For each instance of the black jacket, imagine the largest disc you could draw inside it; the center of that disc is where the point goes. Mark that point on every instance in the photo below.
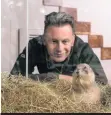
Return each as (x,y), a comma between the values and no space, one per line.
(37,56)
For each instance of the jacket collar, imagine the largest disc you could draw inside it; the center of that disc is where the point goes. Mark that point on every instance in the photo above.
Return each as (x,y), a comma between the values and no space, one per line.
(77,43)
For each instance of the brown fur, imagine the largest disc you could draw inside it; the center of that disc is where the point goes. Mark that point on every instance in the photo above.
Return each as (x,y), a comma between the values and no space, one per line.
(84,84)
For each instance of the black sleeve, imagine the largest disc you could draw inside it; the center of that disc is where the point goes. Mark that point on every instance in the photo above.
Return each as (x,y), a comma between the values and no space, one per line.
(44,76)
(20,64)
(89,57)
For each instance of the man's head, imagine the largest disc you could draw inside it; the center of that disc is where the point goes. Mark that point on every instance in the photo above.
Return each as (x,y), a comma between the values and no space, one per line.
(59,35)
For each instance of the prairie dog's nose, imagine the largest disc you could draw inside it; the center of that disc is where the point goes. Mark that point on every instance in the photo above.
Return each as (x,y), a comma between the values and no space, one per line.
(77,72)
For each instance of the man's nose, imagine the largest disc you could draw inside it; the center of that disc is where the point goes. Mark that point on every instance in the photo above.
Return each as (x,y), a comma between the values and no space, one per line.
(60,46)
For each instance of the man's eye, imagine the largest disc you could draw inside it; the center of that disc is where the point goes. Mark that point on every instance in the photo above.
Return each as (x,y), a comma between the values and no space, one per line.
(54,41)
(65,41)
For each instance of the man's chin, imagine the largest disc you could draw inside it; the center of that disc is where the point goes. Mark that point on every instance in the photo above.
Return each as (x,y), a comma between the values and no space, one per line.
(59,59)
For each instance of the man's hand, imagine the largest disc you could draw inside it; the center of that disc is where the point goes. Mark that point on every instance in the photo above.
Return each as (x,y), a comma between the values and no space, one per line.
(65,77)
(44,76)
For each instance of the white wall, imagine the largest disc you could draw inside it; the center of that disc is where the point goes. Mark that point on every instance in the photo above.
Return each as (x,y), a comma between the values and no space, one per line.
(14,17)
(37,12)
(98,12)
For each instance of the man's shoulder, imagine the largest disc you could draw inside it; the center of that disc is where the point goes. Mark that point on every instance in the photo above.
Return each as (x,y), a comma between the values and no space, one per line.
(37,40)
(80,44)
(36,46)
(80,41)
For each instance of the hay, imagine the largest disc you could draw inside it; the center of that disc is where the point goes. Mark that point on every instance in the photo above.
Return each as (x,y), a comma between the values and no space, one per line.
(19,94)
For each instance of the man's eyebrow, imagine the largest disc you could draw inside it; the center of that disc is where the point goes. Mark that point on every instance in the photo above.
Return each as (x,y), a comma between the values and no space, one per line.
(58,39)
(54,39)
(66,39)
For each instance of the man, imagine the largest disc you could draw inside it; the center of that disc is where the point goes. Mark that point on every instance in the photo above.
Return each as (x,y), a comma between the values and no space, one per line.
(57,52)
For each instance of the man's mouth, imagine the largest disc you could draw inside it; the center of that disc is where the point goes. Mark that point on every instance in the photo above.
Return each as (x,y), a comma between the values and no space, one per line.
(59,54)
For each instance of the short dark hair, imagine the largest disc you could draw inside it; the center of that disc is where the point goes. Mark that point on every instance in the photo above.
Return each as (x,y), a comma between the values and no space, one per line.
(58,19)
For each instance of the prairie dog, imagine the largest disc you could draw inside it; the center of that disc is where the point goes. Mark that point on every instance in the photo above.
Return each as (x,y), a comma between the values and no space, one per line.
(84,83)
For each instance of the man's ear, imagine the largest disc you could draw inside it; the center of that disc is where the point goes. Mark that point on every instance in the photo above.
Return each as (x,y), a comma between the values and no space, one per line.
(44,42)
(43,39)
(73,40)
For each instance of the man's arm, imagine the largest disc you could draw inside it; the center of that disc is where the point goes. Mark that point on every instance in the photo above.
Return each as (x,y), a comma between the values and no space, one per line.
(89,57)
(50,76)
(20,67)
(38,77)
(20,64)
(66,77)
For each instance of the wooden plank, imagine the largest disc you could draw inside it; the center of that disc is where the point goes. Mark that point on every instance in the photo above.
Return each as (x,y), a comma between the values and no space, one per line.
(71,11)
(106,53)
(95,41)
(52,2)
(82,27)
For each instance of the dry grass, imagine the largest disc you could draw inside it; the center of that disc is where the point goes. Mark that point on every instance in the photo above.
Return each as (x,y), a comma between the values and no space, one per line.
(19,94)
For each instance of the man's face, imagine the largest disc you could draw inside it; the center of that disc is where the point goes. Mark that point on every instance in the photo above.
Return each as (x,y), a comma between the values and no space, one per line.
(59,41)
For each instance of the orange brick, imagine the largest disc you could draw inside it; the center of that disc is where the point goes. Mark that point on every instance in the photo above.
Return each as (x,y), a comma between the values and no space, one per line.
(71,11)
(82,27)
(106,53)
(52,2)
(95,41)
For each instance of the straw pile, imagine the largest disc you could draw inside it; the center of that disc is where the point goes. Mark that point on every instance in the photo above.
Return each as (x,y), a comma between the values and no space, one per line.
(19,94)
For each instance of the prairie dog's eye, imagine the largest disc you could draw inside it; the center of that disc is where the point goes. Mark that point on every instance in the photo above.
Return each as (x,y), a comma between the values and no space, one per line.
(85,70)
(85,67)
